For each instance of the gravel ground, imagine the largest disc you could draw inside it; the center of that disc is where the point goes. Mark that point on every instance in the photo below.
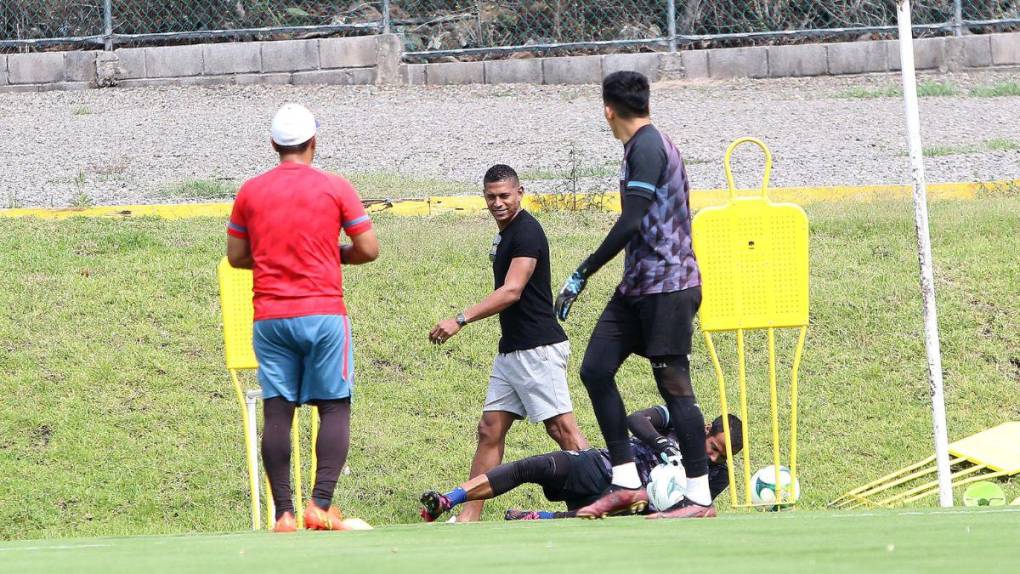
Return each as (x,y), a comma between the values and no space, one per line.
(119,146)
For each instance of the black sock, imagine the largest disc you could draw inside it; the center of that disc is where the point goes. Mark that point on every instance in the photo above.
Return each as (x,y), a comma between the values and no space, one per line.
(598,373)
(672,376)
(331,448)
(689,422)
(279,415)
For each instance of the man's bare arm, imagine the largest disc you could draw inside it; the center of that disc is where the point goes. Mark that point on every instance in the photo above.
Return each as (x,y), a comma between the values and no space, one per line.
(517,277)
(364,248)
(239,253)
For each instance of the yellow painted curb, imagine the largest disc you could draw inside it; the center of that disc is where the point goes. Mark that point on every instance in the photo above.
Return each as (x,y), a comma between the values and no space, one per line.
(609,201)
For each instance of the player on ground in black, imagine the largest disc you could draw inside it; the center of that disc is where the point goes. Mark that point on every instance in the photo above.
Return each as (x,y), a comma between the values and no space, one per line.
(578,478)
(652,311)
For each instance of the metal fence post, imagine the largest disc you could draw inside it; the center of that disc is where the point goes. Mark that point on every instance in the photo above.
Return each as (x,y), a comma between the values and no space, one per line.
(478,20)
(108,24)
(671,24)
(931,323)
(958,18)
(386,16)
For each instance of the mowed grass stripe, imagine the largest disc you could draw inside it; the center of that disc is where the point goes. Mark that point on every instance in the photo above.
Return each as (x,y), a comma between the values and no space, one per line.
(790,542)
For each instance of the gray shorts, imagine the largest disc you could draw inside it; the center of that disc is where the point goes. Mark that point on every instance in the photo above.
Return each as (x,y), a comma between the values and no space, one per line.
(531,383)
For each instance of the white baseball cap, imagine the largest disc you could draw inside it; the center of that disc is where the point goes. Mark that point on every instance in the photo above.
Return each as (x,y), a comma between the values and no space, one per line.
(293,124)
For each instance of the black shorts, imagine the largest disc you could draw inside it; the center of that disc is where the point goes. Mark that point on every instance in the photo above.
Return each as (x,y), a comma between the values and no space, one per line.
(588,477)
(659,325)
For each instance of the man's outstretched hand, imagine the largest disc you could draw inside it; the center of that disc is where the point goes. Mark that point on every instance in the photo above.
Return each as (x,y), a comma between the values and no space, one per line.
(443,331)
(571,289)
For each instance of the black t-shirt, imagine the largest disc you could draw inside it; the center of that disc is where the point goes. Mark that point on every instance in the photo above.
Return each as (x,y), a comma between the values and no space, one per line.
(530,322)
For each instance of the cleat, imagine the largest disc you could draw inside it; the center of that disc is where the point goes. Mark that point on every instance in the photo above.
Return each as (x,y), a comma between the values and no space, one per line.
(686,509)
(319,519)
(617,501)
(433,505)
(285,523)
(515,514)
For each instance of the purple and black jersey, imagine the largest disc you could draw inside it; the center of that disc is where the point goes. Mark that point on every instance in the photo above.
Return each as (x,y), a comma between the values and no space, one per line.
(660,258)
(645,458)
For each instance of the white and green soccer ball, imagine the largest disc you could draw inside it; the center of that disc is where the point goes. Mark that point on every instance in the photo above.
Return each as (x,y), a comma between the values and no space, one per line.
(666,486)
(984,493)
(764,486)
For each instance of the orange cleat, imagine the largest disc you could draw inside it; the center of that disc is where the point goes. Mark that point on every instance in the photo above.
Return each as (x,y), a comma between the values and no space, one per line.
(617,501)
(686,509)
(285,523)
(319,519)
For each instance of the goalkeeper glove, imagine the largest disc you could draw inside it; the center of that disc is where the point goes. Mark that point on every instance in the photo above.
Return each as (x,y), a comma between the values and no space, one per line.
(669,452)
(571,289)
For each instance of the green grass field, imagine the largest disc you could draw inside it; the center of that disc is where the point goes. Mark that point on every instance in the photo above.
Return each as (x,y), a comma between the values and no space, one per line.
(119,419)
(931,542)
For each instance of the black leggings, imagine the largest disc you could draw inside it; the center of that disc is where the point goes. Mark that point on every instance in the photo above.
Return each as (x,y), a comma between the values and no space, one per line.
(548,470)
(331,448)
(672,377)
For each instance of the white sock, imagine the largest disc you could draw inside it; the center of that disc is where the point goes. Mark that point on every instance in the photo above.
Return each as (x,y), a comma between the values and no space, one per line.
(698,491)
(626,475)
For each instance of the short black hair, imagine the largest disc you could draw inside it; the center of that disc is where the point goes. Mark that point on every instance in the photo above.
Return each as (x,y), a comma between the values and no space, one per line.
(292,149)
(736,431)
(501,172)
(627,93)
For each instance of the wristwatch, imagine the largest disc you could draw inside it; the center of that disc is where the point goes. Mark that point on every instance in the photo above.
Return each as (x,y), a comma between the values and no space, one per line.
(461,320)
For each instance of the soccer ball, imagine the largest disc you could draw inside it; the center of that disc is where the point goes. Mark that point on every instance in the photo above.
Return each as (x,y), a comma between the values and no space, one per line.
(984,493)
(666,486)
(763,488)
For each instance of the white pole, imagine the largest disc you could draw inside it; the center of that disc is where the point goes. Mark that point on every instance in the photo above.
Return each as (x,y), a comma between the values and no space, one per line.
(253,458)
(931,326)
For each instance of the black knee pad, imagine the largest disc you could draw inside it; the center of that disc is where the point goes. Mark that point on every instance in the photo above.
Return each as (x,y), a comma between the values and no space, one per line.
(687,403)
(673,376)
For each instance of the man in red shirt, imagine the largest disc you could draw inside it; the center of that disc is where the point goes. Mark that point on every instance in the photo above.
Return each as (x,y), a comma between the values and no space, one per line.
(285,227)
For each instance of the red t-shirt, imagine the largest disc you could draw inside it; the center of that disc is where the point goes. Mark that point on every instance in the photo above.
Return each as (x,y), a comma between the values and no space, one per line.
(292,215)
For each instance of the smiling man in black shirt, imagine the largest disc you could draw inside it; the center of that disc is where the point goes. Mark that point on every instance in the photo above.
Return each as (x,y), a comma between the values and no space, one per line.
(529,375)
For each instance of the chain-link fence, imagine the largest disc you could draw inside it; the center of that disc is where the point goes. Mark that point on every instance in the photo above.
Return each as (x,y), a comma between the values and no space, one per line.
(40,23)
(434,28)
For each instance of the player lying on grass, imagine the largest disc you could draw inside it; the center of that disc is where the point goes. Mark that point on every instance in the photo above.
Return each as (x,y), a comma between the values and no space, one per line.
(578,478)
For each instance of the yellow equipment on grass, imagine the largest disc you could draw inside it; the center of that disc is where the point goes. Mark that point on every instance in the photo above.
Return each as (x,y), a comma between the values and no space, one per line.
(989,454)
(238,312)
(753,256)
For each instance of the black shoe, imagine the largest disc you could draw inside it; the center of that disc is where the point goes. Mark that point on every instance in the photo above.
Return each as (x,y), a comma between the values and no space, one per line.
(434,505)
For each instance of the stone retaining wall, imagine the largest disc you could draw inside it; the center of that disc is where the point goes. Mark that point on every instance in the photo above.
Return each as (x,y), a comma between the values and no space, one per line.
(359,60)
(945,54)
(377,60)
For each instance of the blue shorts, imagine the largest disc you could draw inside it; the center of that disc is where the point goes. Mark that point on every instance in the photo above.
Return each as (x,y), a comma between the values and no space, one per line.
(305,359)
